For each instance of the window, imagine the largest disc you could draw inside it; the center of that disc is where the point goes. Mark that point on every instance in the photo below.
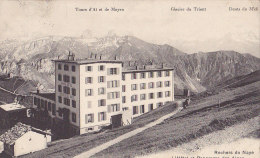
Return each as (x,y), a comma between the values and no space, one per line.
(88,68)
(115,107)
(113,95)
(123,99)
(89,118)
(112,84)
(66,67)
(150,107)
(150,74)
(159,104)
(73,117)
(53,109)
(60,112)
(59,88)
(35,101)
(49,106)
(159,84)
(134,76)
(159,95)
(134,87)
(123,77)
(125,108)
(167,83)
(167,73)
(101,90)
(142,86)
(66,101)
(151,85)
(141,109)
(59,77)
(159,74)
(101,116)
(66,90)
(123,88)
(73,103)
(101,79)
(142,96)
(151,96)
(134,98)
(102,102)
(101,68)
(73,68)
(73,91)
(112,71)
(143,75)
(66,78)
(73,79)
(135,110)
(59,66)
(60,99)
(88,92)
(167,93)
(88,80)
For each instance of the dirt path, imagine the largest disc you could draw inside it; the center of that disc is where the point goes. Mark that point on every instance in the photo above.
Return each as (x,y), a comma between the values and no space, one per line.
(106,145)
(230,139)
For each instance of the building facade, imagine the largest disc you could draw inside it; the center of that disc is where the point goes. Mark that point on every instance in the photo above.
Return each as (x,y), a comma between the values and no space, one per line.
(92,93)
(147,89)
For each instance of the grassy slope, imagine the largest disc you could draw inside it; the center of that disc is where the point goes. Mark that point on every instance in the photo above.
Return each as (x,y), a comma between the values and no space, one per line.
(199,119)
(78,144)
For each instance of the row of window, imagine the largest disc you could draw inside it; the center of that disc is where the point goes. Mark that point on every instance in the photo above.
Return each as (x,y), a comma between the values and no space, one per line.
(150,74)
(141,109)
(89,118)
(45,105)
(150,85)
(66,78)
(66,90)
(143,96)
(67,101)
(67,68)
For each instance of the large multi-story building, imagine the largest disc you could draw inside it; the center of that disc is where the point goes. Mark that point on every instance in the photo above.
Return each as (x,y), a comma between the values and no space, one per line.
(93,93)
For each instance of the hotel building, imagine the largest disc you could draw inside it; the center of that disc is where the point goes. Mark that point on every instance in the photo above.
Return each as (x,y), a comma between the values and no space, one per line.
(93,93)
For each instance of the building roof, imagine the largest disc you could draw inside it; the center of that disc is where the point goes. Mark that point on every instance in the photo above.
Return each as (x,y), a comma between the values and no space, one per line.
(15,133)
(47,95)
(87,61)
(146,69)
(12,107)
(18,131)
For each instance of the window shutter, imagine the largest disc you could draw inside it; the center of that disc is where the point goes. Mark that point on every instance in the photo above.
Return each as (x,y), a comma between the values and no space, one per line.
(105,116)
(86,118)
(109,108)
(99,116)
(108,71)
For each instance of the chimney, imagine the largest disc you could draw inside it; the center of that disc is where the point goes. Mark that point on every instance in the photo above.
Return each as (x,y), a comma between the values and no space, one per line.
(95,56)
(144,67)
(100,57)
(115,57)
(38,91)
(136,67)
(162,65)
(91,55)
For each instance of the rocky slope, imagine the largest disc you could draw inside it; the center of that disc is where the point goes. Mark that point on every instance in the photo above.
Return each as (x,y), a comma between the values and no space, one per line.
(32,59)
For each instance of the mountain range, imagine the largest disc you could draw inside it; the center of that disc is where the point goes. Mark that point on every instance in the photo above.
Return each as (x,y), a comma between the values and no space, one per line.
(31,59)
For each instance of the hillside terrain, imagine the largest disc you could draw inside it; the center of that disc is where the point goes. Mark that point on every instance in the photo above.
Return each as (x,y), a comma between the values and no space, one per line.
(31,59)
(206,114)
(210,114)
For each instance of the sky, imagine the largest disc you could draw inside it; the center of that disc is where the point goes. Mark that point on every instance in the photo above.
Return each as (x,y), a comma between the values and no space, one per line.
(152,21)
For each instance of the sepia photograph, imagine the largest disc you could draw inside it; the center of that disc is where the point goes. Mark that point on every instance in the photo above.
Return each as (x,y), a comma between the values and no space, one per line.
(129,79)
